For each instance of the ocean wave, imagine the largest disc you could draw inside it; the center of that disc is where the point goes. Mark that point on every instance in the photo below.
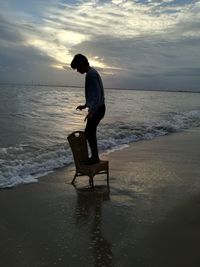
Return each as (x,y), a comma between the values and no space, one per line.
(122,133)
(24,164)
(29,166)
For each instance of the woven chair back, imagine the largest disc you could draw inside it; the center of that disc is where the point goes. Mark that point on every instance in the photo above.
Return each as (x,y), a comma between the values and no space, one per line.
(78,144)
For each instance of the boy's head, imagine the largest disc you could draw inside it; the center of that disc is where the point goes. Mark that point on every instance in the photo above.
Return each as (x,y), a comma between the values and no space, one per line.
(80,62)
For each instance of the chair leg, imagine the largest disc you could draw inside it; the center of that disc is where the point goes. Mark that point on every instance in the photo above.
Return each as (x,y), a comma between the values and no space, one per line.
(108,176)
(108,185)
(74,178)
(91,181)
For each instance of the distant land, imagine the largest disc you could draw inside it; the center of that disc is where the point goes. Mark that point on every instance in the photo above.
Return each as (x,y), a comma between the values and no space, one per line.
(109,88)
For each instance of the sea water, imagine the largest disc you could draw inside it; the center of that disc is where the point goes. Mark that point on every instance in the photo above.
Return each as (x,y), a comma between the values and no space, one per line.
(36,120)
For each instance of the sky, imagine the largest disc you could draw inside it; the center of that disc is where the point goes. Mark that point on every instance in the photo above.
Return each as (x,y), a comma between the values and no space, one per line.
(139,44)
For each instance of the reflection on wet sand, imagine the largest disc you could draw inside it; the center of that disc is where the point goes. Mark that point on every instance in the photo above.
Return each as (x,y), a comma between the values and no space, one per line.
(89,211)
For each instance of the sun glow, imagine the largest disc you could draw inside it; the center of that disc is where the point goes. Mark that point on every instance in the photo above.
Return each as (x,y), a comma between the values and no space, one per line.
(55,43)
(57,52)
(97,63)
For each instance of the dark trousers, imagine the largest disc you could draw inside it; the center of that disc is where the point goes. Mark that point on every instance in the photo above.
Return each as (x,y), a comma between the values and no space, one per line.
(91,130)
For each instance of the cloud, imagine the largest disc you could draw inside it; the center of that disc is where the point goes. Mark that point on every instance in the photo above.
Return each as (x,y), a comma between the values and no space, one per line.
(8,32)
(185,71)
(125,20)
(128,40)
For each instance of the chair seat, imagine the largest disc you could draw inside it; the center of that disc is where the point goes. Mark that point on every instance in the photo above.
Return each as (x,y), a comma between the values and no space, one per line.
(93,169)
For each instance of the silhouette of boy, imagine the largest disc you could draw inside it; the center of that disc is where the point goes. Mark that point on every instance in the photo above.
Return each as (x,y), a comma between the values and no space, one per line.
(95,102)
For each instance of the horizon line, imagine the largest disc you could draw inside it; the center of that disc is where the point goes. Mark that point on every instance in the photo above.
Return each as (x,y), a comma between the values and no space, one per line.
(109,88)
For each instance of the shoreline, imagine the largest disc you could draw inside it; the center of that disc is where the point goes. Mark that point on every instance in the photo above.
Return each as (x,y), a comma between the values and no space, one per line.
(35,178)
(150,217)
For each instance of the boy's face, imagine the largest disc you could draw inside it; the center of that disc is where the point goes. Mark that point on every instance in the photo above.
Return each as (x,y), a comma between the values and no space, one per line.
(81,68)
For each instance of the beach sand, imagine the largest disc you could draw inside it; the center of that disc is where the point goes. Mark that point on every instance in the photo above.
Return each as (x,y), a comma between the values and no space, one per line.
(150,217)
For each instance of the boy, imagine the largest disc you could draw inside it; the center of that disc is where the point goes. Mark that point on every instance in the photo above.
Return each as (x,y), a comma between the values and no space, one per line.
(95,102)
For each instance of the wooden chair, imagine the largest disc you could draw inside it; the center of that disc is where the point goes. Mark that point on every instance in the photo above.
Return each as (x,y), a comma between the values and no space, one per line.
(78,144)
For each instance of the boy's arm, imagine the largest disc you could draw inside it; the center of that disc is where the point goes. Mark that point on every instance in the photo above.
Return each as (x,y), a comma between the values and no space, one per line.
(94,93)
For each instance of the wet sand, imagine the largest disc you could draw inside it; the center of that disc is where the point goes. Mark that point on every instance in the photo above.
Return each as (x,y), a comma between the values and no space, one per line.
(150,216)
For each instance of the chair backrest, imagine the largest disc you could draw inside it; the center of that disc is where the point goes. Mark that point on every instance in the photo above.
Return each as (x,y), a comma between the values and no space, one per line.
(78,144)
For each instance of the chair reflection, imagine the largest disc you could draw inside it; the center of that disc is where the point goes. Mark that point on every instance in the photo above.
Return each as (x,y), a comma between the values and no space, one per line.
(89,211)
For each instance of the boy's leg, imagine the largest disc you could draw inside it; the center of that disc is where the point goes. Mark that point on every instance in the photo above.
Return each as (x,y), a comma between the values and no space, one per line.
(90,131)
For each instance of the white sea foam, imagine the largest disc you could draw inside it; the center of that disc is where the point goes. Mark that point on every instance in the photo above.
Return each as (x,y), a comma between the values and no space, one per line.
(17,171)
(21,165)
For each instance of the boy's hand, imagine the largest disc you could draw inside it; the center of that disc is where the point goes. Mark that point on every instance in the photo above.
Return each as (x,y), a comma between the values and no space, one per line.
(89,115)
(80,107)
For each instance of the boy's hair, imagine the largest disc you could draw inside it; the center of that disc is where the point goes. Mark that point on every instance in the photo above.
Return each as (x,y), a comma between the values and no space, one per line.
(79,59)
